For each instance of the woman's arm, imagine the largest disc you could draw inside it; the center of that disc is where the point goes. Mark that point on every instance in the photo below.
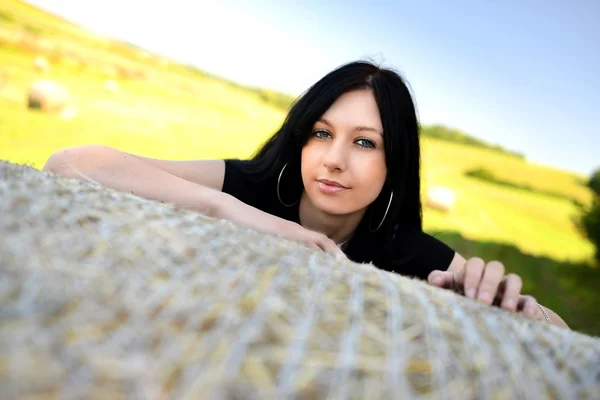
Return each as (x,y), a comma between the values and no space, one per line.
(129,173)
(474,278)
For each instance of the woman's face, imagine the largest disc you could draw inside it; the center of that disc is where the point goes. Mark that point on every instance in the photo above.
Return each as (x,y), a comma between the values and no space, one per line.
(343,162)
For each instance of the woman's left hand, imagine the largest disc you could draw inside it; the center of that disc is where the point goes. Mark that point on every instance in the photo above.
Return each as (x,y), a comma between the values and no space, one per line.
(488,284)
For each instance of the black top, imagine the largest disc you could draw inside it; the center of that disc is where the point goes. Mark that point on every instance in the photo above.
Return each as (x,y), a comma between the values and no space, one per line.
(415,252)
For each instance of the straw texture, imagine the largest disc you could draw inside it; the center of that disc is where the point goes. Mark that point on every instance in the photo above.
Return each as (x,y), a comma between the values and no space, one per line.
(105,295)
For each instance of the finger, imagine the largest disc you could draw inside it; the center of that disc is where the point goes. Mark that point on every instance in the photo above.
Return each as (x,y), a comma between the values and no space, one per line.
(511,288)
(493,274)
(528,305)
(334,249)
(329,246)
(341,256)
(443,279)
(313,245)
(320,241)
(458,281)
(471,275)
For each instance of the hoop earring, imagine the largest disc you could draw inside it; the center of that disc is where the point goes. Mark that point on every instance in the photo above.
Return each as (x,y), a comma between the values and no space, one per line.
(384,215)
(278,195)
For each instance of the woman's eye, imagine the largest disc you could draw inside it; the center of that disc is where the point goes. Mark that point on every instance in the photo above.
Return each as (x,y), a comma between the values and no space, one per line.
(321,134)
(366,143)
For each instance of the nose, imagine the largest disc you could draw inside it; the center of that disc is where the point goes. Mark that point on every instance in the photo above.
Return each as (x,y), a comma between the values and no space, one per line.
(335,156)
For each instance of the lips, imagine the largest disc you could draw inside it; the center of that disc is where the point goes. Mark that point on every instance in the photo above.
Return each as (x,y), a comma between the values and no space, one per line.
(331,188)
(332,183)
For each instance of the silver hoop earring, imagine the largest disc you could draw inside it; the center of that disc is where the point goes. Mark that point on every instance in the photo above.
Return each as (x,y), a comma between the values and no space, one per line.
(278,195)
(384,215)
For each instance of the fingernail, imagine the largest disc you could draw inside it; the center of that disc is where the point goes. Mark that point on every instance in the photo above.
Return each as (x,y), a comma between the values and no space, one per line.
(485,297)
(530,311)
(509,303)
(437,279)
(471,293)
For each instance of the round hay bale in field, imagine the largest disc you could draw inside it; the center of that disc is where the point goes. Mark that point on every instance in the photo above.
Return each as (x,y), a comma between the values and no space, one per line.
(68,113)
(111,86)
(48,96)
(441,198)
(41,64)
(108,295)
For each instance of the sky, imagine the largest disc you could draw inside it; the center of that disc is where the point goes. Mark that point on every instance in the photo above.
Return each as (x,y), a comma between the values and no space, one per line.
(522,74)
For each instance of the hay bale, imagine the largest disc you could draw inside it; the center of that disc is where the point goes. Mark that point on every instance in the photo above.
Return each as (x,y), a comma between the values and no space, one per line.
(107,295)
(111,86)
(41,64)
(440,198)
(47,95)
(51,97)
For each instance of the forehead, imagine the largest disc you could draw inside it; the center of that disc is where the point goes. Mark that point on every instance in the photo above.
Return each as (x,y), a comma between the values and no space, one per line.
(356,108)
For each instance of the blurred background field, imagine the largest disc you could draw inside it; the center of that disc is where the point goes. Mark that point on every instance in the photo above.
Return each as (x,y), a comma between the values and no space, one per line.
(136,101)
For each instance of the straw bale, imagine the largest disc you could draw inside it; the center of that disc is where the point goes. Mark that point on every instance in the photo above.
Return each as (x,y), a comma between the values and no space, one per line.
(107,295)
(41,64)
(48,96)
(111,86)
(440,198)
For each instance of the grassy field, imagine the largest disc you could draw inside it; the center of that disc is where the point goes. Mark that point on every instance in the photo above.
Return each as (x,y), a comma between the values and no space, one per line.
(167,110)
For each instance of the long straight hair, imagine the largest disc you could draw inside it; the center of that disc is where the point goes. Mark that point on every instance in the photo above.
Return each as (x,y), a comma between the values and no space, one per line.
(401,142)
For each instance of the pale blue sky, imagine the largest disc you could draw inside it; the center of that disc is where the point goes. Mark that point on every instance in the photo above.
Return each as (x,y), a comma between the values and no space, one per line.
(523,74)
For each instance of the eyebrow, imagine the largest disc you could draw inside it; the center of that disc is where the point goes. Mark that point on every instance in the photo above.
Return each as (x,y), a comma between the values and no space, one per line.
(359,128)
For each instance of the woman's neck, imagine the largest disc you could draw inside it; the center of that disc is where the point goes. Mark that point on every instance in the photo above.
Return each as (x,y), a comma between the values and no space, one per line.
(338,228)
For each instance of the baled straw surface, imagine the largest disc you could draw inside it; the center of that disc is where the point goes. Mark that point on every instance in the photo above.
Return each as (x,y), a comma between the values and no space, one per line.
(107,295)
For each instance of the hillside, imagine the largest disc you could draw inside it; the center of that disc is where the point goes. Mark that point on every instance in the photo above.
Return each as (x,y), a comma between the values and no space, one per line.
(166,110)
(456,136)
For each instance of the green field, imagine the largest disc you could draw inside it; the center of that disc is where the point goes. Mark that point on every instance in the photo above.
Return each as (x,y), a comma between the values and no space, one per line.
(167,110)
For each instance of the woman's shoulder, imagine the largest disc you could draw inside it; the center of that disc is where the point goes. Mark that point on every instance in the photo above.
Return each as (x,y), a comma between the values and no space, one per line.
(240,181)
(417,253)
(236,180)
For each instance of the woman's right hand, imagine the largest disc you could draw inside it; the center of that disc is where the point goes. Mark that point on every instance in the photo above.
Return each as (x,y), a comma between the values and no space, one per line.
(229,208)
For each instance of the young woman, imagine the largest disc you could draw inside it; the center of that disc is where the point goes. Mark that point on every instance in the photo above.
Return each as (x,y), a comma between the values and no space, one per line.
(341,175)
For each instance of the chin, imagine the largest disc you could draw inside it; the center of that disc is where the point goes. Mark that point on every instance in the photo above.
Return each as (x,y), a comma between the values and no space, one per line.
(331,205)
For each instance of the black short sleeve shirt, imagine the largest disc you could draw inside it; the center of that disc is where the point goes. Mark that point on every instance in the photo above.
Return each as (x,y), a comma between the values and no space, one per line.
(415,252)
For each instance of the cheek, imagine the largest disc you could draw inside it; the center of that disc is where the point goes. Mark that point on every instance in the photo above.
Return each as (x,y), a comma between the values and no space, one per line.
(309,158)
(373,175)
(304,163)
(306,167)
(373,169)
